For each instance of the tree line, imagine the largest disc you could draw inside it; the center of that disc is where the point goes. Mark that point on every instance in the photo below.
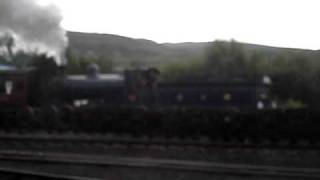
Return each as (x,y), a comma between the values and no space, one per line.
(295,75)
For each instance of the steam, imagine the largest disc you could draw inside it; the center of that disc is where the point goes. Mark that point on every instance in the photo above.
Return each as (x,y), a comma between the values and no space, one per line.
(34,27)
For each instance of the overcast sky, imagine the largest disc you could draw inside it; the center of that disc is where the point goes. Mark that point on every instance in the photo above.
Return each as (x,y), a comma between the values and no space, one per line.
(284,23)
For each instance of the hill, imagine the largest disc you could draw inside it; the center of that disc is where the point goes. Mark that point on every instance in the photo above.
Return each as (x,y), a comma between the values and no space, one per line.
(125,50)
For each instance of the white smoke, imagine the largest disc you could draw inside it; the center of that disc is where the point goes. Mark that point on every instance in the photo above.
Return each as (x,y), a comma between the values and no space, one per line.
(34,27)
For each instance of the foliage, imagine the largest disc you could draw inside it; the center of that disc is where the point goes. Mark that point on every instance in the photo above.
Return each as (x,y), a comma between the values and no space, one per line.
(296,76)
(226,58)
(294,104)
(178,71)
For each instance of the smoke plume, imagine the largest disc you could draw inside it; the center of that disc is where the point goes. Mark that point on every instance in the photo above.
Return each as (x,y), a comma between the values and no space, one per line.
(34,27)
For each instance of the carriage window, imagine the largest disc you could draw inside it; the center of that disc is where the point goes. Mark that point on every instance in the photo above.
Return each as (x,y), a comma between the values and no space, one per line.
(8,87)
(80,102)
(203,97)
(180,97)
(227,96)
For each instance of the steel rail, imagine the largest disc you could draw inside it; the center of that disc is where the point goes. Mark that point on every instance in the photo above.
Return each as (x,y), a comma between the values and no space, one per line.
(46,175)
(128,140)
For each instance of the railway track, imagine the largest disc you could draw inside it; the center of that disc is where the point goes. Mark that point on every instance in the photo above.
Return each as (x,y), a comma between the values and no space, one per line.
(39,148)
(128,140)
(161,147)
(163,165)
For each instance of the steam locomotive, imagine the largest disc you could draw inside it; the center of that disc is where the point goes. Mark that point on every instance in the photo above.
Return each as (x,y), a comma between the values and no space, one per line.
(133,88)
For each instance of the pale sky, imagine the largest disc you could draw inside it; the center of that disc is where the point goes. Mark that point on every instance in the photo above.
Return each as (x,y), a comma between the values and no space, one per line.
(283,23)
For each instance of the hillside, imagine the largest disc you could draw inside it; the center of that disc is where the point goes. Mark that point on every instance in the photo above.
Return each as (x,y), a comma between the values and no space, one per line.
(124,50)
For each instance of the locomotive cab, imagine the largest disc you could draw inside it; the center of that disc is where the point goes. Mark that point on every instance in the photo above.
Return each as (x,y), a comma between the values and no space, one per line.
(141,86)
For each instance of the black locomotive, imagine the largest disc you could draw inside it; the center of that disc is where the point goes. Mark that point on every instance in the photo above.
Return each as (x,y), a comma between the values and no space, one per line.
(133,88)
